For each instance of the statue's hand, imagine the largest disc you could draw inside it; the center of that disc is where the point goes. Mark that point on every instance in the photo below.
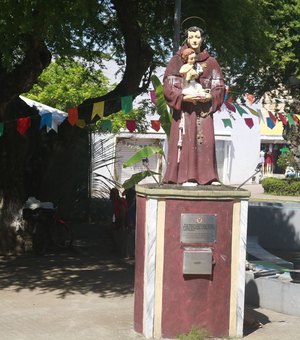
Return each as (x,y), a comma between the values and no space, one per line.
(207,97)
(190,98)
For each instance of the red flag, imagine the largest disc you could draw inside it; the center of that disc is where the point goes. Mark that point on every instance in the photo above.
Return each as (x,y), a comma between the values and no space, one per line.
(73,115)
(295,118)
(249,122)
(155,124)
(153,96)
(131,125)
(230,107)
(273,118)
(23,124)
(282,118)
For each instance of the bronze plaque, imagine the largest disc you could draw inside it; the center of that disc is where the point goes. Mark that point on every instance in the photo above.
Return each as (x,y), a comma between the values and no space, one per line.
(198,228)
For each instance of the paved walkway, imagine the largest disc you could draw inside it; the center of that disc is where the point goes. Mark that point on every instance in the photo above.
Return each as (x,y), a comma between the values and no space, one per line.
(87,293)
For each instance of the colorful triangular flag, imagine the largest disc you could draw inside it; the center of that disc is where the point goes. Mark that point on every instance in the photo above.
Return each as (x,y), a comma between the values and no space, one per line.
(81,123)
(153,96)
(255,113)
(227,122)
(106,125)
(73,115)
(282,118)
(131,124)
(230,106)
(241,111)
(249,122)
(155,124)
(290,119)
(98,110)
(126,103)
(272,117)
(1,129)
(46,120)
(23,124)
(295,118)
(270,123)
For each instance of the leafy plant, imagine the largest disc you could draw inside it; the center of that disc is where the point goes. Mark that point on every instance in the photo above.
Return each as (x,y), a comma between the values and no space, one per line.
(281,187)
(194,334)
(161,105)
(165,120)
(286,159)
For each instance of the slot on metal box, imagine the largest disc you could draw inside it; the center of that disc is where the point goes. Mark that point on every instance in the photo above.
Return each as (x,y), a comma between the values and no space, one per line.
(197,261)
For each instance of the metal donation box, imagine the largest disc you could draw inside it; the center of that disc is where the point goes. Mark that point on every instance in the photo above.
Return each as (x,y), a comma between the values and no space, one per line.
(197,228)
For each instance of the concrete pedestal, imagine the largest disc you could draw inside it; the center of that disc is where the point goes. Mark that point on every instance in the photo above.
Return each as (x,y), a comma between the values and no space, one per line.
(169,302)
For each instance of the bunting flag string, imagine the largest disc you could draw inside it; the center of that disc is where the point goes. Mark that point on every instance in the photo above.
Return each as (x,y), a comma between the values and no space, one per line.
(47,119)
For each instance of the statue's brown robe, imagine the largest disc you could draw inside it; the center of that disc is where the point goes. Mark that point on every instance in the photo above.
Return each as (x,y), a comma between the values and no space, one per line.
(196,161)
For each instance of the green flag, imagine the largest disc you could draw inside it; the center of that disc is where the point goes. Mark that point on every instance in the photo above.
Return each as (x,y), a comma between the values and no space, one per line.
(290,119)
(227,122)
(126,103)
(241,111)
(106,125)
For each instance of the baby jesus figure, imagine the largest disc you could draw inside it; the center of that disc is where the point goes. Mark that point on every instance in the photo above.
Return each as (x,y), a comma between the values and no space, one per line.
(190,72)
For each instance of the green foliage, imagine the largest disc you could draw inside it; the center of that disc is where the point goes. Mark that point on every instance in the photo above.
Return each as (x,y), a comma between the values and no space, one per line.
(136,178)
(161,105)
(66,83)
(286,159)
(142,154)
(194,334)
(281,187)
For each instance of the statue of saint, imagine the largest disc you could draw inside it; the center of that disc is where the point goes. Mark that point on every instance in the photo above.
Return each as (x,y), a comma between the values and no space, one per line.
(194,89)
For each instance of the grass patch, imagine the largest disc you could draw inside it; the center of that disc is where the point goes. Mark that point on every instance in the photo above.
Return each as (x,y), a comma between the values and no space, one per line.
(194,334)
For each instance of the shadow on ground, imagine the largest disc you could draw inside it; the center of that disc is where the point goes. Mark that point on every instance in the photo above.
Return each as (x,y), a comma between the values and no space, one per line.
(92,266)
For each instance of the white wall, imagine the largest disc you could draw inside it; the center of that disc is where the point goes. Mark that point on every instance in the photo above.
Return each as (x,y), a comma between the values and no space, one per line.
(243,145)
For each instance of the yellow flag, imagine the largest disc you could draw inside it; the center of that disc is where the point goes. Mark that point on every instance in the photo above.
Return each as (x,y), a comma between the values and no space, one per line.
(81,123)
(98,110)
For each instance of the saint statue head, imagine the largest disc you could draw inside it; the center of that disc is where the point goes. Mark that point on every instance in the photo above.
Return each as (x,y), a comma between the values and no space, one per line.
(195,37)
